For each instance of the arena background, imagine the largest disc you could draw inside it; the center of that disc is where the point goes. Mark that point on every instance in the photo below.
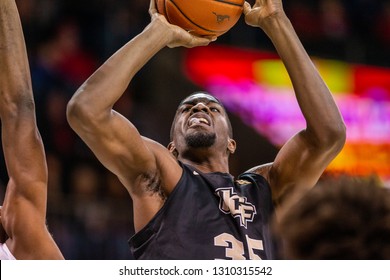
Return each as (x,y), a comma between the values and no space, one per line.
(89,212)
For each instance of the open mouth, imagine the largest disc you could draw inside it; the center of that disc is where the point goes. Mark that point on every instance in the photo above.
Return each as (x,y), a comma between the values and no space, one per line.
(197,121)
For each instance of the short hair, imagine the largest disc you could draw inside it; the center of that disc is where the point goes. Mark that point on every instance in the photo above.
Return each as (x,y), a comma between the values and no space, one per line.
(343,218)
(230,128)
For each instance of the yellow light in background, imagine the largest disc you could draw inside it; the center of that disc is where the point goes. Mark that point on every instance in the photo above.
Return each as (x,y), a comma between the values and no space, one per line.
(271,73)
(337,75)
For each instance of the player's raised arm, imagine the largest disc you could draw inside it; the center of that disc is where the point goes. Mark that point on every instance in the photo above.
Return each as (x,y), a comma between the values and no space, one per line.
(138,162)
(114,140)
(23,214)
(23,149)
(302,160)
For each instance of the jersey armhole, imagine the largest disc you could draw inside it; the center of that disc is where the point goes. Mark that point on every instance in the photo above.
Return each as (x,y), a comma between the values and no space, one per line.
(148,230)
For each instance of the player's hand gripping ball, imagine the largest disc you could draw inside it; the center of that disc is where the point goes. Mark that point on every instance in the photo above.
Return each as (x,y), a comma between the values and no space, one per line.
(202,17)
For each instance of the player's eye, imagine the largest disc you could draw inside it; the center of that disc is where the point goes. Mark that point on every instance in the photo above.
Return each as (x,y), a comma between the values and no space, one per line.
(185,109)
(214,109)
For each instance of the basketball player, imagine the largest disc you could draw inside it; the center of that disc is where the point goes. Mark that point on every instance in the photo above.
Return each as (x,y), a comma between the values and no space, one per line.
(342,218)
(186,204)
(23,213)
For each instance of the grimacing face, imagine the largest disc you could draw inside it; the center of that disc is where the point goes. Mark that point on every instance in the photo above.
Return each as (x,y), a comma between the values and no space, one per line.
(200,122)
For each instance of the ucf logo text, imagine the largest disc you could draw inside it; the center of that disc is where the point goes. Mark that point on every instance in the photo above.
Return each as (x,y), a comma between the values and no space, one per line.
(238,206)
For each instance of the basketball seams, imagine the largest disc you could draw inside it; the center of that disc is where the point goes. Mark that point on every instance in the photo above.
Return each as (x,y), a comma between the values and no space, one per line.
(229,3)
(165,9)
(202,17)
(184,15)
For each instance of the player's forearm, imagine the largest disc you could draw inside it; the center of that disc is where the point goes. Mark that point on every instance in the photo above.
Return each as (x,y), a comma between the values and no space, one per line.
(324,121)
(15,83)
(100,92)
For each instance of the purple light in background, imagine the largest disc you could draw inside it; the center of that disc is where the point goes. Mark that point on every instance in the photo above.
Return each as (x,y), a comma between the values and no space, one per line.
(274,112)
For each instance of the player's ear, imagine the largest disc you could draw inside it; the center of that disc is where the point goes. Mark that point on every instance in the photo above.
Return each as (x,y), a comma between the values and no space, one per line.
(231,146)
(171,147)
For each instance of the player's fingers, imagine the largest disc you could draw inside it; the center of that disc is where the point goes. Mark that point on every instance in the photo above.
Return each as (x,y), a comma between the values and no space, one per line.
(247,8)
(152,7)
(259,3)
(211,38)
(202,41)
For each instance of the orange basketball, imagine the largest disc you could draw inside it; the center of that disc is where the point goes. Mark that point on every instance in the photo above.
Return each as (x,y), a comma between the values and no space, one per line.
(202,17)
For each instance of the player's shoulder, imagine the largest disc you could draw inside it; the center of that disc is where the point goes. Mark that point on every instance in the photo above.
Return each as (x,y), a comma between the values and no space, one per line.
(263,170)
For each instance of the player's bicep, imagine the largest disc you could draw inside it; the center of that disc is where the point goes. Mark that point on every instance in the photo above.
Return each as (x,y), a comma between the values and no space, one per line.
(23,211)
(298,165)
(21,216)
(117,144)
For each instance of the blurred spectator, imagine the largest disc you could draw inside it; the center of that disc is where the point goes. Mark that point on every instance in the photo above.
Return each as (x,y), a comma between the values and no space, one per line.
(340,219)
(304,17)
(334,22)
(382,25)
(335,29)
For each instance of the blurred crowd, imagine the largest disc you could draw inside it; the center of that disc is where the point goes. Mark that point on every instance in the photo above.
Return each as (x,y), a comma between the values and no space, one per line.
(89,212)
(356,31)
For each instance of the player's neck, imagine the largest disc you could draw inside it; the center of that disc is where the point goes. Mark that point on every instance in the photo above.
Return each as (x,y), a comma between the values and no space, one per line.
(207,164)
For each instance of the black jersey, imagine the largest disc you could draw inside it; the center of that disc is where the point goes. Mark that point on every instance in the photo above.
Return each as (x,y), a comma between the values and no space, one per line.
(210,216)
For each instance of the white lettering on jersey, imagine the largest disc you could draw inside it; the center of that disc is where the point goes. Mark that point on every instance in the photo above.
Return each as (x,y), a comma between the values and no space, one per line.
(238,206)
(234,249)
